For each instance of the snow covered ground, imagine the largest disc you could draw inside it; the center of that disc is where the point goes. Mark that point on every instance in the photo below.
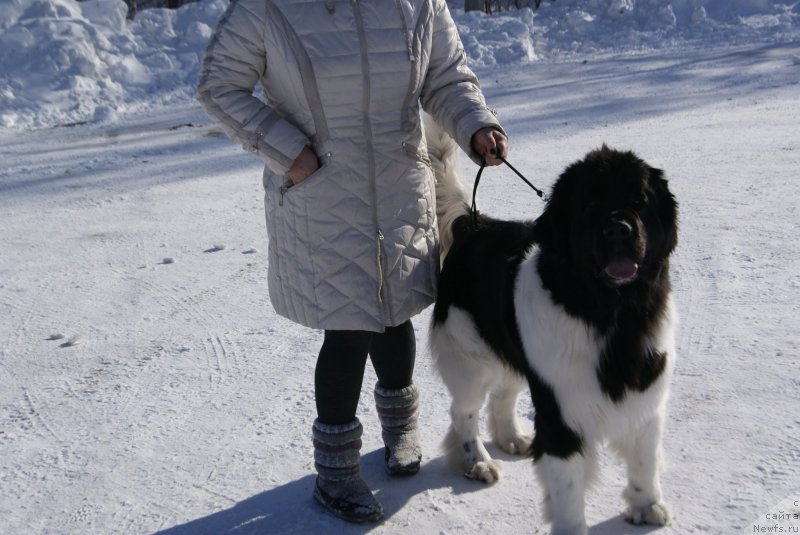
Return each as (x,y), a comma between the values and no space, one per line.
(147,385)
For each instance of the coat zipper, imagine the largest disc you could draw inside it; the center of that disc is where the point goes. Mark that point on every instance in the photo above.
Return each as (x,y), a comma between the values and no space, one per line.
(370,154)
(380,266)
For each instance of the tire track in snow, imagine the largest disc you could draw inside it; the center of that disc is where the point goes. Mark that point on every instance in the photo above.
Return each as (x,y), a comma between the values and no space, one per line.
(218,351)
(225,354)
(37,419)
(214,363)
(691,335)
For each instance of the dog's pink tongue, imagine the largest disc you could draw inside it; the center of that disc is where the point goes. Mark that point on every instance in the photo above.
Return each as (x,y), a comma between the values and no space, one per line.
(622,269)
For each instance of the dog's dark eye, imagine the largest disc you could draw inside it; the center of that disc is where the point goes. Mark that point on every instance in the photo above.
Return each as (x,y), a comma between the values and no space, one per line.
(639,201)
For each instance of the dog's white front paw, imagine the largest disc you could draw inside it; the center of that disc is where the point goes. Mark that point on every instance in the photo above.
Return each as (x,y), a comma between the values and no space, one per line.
(658,514)
(576,529)
(487,471)
(514,445)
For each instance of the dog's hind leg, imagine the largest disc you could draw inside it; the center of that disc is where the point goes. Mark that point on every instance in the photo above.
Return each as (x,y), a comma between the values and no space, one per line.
(565,485)
(506,429)
(642,453)
(469,371)
(464,448)
(467,382)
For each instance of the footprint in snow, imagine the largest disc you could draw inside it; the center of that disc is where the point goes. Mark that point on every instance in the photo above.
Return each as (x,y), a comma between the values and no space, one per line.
(71,342)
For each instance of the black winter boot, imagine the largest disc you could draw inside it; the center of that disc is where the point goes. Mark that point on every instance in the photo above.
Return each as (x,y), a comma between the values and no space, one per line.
(397,410)
(339,486)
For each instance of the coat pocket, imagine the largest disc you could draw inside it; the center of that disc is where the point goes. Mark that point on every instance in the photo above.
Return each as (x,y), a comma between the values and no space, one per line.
(290,207)
(421,160)
(417,154)
(291,190)
(290,211)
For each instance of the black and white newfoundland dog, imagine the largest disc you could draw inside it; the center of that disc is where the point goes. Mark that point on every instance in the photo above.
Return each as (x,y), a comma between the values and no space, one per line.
(576,305)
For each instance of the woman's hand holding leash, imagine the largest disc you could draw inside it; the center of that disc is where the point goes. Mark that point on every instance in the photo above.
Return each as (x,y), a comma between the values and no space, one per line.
(491,144)
(493,155)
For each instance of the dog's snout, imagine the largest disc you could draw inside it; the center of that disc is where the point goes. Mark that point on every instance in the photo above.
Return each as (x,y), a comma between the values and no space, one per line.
(617,229)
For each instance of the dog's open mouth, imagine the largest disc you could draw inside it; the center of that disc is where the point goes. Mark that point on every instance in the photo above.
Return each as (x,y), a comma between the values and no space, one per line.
(621,270)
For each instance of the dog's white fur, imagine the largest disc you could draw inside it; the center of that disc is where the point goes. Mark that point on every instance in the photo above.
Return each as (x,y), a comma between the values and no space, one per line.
(452,201)
(564,352)
(471,372)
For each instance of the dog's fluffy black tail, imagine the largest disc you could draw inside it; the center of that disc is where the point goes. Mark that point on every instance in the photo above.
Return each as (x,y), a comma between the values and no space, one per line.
(452,199)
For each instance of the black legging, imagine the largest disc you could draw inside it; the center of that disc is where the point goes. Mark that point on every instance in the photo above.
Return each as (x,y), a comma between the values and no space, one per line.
(340,367)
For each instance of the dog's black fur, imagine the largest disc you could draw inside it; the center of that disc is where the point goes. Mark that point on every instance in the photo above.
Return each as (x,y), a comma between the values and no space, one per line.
(577,304)
(578,234)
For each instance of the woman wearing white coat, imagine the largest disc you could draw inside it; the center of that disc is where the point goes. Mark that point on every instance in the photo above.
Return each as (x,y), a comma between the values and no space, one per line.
(349,193)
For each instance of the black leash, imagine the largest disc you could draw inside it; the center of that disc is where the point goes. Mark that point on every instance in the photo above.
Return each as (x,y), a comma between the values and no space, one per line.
(474,209)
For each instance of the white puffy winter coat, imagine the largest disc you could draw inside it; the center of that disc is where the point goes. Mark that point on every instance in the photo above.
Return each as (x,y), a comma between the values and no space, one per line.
(355,245)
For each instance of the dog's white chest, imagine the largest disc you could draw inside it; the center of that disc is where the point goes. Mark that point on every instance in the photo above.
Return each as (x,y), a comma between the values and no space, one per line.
(564,351)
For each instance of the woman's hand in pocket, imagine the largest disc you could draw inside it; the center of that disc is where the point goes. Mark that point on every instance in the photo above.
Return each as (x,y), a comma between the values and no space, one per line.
(305,165)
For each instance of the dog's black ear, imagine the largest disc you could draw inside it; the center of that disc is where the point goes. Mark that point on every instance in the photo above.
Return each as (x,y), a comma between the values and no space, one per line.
(667,207)
(551,230)
(543,228)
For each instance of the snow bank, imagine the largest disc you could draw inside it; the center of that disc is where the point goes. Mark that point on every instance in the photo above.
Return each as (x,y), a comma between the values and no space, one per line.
(65,62)
(583,26)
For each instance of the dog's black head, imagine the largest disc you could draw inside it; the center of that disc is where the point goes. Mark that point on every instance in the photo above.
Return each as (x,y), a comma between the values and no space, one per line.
(610,220)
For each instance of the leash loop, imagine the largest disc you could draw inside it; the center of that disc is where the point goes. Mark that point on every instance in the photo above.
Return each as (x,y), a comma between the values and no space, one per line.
(474,208)
(539,192)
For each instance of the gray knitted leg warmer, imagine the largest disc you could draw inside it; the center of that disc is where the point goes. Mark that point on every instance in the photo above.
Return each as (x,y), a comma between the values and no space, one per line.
(397,410)
(339,486)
